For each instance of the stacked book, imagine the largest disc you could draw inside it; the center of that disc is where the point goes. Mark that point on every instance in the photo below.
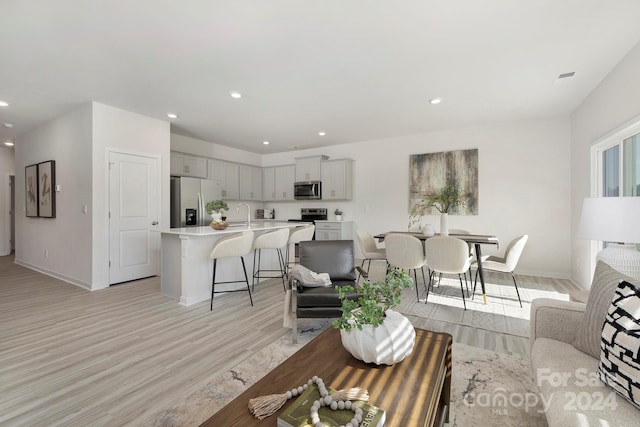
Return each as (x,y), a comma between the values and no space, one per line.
(298,413)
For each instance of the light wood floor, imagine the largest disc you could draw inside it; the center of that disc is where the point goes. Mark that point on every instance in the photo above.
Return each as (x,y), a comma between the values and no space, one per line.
(122,355)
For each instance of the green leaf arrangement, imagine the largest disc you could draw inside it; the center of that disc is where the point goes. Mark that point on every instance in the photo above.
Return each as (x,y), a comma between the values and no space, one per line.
(376,299)
(216,205)
(443,201)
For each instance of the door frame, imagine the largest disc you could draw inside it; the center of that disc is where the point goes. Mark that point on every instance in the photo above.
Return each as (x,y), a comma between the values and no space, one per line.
(8,202)
(107,205)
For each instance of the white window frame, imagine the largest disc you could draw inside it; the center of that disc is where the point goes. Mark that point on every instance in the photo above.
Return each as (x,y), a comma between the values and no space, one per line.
(598,147)
(602,144)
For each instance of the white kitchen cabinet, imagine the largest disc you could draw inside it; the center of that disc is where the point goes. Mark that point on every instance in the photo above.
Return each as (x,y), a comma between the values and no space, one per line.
(277,183)
(284,177)
(250,182)
(334,230)
(337,180)
(228,175)
(183,165)
(309,168)
(268,184)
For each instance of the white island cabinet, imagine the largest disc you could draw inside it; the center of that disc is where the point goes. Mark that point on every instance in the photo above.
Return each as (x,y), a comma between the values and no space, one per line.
(186,267)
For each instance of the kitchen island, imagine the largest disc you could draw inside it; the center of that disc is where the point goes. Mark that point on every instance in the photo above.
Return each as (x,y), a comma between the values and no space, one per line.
(186,269)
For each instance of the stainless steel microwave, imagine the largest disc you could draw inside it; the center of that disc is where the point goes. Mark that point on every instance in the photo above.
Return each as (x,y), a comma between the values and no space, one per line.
(307,190)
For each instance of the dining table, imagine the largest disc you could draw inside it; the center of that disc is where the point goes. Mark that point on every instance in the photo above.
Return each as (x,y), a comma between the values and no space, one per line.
(477,240)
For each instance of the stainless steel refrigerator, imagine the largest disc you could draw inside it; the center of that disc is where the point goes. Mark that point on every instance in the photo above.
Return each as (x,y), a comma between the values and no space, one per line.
(189,197)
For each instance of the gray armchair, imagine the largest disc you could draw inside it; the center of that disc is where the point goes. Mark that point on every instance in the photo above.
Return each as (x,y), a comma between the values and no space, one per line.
(335,257)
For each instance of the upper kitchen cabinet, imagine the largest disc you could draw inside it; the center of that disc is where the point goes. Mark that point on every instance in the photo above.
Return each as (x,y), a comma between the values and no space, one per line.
(250,183)
(284,177)
(277,183)
(228,175)
(268,184)
(183,165)
(309,168)
(337,179)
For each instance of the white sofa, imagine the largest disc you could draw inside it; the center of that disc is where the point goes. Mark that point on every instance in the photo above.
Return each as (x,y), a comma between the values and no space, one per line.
(564,363)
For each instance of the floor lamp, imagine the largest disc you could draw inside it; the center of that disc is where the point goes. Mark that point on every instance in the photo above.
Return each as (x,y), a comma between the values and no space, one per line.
(617,220)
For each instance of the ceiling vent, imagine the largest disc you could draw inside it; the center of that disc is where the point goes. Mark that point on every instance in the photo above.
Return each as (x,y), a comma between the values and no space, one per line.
(566,75)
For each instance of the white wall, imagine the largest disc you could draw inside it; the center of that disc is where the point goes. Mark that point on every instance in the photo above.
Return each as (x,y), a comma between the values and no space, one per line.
(524,186)
(67,238)
(613,103)
(122,131)
(6,170)
(79,142)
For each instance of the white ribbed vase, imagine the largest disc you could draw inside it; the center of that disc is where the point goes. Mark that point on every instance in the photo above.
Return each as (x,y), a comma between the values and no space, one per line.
(622,257)
(389,343)
(444,224)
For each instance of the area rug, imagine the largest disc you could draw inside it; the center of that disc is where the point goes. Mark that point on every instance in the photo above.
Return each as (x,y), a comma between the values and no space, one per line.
(488,388)
(502,313)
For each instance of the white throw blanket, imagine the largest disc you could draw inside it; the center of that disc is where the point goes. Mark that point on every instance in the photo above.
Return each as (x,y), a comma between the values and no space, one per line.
(307,278)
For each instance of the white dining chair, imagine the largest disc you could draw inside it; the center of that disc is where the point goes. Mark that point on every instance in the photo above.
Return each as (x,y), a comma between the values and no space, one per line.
(369,248)
(447,255)
(406,252)
(506,264)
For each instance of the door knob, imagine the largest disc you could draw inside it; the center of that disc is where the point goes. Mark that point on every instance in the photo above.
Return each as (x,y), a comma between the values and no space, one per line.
(154,223)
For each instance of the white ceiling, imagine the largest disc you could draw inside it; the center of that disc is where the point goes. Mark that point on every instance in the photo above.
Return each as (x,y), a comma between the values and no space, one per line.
(356,69)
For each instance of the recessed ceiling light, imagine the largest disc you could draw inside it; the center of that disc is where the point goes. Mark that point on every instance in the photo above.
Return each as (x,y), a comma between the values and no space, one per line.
(8,143)
(8,125)
(4,104)
(435,101)
(322,133)
(172,115)
(265,142)
(236,95)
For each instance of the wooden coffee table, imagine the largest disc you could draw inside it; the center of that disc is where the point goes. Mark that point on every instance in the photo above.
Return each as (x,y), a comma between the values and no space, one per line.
(414,392)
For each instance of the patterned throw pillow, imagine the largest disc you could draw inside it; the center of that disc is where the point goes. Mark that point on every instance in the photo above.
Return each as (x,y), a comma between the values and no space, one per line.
(605,282)
(620,357)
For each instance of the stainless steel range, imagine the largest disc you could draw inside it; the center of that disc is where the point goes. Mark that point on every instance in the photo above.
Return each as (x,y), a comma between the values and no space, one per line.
(313,214)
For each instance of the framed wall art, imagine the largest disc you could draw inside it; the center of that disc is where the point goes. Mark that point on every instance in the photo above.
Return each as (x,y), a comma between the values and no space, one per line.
(46,189)
(31,189)
(432,172)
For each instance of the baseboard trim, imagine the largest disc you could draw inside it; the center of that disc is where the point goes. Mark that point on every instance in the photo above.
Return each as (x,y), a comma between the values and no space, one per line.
(59,276)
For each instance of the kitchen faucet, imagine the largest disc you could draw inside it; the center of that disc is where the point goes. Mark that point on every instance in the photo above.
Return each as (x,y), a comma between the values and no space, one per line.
(248,213)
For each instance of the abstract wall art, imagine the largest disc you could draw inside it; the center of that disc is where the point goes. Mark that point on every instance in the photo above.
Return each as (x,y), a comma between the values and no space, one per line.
(31,190)
(431,172)
(46,189)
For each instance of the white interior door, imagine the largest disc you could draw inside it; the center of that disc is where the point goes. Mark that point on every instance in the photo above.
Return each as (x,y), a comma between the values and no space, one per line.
(134,245)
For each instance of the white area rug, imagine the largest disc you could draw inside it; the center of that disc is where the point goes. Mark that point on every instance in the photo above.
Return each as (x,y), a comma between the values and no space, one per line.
(502,313)
(488,389)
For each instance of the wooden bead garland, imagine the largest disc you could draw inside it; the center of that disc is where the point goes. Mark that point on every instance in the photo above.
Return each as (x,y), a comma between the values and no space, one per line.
(262,407)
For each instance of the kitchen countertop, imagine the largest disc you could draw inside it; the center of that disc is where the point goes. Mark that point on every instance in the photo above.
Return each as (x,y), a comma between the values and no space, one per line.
(256,225)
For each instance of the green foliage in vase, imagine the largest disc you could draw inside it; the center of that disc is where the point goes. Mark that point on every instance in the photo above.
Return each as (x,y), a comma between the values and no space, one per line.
(216,205)
(443,201)
(376,299)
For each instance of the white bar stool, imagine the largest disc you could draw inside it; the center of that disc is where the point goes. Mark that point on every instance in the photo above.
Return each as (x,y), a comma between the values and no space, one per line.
(235,245)
(297,235)
(272,240)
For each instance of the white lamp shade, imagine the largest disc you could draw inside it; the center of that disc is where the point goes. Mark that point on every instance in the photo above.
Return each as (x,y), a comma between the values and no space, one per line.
(611,219)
